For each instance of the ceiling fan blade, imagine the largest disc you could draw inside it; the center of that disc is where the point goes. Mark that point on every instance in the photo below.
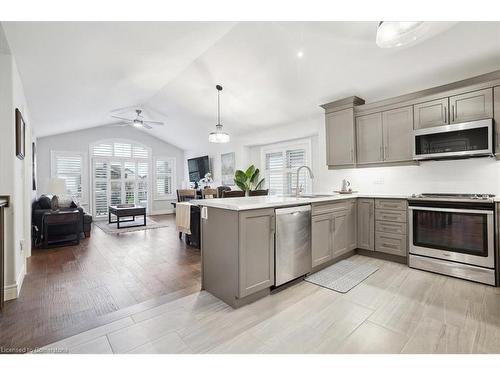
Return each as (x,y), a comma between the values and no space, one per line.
(122,118)
(153,122)
(146,126)
(118,124)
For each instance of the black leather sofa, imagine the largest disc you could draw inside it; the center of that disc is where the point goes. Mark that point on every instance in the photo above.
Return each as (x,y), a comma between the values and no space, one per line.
(42,205)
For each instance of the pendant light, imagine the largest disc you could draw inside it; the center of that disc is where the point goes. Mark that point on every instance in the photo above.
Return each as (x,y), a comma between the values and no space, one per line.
(399,33)
(218,136)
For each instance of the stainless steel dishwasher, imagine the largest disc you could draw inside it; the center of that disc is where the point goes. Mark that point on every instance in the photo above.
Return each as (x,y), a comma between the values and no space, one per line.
(293,243)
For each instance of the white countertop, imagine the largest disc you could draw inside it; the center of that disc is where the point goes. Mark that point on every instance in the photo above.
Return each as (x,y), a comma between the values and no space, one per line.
(270,201)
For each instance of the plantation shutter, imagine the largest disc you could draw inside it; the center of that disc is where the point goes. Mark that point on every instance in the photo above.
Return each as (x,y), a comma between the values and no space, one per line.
(295,159)
(164,179)
(281,170)
(274,172)
(70,168)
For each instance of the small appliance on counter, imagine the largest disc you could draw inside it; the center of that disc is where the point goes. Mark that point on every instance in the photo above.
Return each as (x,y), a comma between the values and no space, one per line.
(345,188)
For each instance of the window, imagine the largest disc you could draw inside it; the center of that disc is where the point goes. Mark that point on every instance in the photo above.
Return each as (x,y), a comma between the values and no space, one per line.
(120,175)
(69,167)
(281,163)
(165,175)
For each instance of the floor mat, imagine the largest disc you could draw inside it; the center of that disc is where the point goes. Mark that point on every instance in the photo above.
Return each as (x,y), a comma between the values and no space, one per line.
(342,276)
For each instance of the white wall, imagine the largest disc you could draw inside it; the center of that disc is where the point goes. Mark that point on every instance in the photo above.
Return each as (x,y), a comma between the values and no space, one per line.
(480,175)
(80,141)
(15,178)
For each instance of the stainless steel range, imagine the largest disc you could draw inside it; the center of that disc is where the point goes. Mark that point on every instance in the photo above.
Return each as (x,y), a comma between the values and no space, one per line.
(453,234)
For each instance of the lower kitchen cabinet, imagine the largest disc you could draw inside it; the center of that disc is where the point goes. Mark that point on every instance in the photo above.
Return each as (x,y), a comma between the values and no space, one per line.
(390,225)
(256,250)
(321,239)
(366,224)
(340,230)
(390,243)
(333,231)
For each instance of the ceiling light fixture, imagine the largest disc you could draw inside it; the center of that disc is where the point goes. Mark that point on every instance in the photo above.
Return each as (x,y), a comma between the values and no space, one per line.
(218,136)
(300,54)
(399,33)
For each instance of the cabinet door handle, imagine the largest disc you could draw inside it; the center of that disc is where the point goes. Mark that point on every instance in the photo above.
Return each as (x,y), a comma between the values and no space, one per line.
(453,113)
(445,115)
(381,152)
(352,155)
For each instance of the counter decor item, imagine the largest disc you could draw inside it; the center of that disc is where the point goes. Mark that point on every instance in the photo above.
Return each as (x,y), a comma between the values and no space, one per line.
(206,181)
(249,179)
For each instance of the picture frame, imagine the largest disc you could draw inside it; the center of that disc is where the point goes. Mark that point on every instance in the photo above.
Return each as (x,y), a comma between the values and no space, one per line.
(20,135)
(33,164)
(228,162)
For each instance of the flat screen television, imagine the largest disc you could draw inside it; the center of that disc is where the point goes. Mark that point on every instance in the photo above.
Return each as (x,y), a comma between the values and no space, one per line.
(197,168)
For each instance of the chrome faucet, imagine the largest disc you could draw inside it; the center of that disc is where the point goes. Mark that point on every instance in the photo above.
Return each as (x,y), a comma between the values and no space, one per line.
(311,175)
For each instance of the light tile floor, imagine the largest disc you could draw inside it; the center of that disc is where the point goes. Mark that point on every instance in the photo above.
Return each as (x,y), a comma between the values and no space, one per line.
(395,310)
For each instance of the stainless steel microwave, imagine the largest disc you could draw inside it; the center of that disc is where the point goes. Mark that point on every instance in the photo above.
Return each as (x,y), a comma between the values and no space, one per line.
(467,139)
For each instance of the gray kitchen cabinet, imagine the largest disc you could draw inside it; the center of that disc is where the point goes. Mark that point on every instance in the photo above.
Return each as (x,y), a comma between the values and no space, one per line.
(496,116)
(397,133)
(256,250)
(366,224)
(432,113)
(321,239)
(475,105)
(340,233)
(340,138)
(352,240)
(369,139)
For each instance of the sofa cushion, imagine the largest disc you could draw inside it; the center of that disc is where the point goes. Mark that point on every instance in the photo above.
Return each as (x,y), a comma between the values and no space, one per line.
(44,202)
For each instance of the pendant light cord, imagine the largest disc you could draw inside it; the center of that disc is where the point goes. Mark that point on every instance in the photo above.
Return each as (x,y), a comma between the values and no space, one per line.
(218,107)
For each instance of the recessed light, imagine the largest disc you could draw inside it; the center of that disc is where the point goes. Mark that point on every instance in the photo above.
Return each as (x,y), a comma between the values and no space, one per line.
(300,54)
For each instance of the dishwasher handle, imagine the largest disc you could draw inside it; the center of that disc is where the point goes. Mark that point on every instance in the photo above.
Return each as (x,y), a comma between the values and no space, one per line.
(292,210)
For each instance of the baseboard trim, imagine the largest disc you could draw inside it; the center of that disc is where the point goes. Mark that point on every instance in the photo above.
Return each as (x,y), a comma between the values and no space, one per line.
(383,256)
(162,212)
(12,291)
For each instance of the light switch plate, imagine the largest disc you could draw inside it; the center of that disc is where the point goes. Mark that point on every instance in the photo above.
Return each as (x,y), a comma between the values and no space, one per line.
(204,213)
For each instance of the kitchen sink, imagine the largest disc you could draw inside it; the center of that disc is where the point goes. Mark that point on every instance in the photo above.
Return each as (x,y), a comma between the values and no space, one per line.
(316,195)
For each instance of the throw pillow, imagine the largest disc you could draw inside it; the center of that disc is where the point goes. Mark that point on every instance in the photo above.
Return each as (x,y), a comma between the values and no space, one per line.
(65,201)
(44,202)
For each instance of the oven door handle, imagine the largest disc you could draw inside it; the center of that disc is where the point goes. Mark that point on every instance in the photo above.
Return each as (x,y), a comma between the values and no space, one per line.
(461,210)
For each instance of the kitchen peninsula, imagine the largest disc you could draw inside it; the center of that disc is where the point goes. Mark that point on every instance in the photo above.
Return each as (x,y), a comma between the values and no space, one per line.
(239,236)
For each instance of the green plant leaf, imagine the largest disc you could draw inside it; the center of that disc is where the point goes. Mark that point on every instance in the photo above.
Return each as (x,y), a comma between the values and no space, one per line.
(241,185)
(259,185)
(250,171)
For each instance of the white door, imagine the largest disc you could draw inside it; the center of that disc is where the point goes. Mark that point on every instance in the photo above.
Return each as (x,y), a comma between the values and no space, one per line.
(117,182)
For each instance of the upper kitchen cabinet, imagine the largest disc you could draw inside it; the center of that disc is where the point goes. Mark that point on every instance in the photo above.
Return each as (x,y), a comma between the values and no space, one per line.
(429,114)
(369,139)
(496,116)
(397,128)
(470,106)
(340,138)
(340,132)
(475,105)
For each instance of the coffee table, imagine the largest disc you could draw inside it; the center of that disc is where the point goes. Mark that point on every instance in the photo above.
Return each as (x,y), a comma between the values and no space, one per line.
(126,210)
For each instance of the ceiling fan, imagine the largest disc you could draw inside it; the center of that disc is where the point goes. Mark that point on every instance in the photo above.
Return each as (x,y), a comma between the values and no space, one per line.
(138,121)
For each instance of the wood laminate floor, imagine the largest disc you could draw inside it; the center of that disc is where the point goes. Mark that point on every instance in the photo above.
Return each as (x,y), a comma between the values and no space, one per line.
(68,290)
(395,310)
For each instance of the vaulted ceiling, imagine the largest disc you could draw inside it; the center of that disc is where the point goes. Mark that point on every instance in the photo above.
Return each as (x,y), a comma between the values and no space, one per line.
(75,73)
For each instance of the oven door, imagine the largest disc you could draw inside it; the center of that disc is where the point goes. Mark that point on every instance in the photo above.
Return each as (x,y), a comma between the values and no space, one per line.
(458,235)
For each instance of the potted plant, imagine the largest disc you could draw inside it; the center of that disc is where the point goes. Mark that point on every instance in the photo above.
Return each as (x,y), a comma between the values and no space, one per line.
(249,179)
(206,181)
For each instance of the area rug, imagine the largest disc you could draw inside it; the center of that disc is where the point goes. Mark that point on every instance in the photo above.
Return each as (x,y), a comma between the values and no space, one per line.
(128,226)
(342,276)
